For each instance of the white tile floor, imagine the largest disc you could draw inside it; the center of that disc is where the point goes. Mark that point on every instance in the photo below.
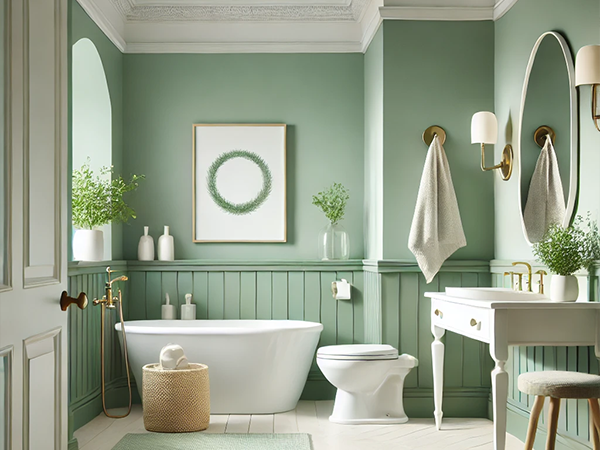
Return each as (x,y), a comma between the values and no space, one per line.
(310,417)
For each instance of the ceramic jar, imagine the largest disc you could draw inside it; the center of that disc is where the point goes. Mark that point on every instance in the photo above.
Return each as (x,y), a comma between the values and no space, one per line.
(166,247)
(146,247)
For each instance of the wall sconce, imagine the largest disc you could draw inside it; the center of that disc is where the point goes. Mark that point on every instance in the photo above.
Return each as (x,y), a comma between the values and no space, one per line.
(587,71)
(484,130)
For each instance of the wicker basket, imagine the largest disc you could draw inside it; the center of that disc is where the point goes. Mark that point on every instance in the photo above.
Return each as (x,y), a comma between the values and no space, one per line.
(176,401)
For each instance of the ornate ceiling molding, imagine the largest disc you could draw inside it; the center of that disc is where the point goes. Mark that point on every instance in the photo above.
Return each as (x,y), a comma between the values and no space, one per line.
(133,12)
(190,26)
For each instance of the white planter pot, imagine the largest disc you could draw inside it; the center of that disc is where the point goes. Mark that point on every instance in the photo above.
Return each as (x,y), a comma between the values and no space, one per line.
(564,288)
(88,245)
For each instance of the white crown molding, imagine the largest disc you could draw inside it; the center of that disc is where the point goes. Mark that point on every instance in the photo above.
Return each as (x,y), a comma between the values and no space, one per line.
(502,7)
(246,47)
(321,26)
(437,13)
(108,20)
(133,12)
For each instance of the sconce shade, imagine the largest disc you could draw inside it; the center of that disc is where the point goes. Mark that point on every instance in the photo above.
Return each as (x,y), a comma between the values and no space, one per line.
(587,65)
(484,128)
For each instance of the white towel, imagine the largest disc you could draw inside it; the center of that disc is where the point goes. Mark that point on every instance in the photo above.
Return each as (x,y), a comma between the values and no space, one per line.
(545,200)
(436,231)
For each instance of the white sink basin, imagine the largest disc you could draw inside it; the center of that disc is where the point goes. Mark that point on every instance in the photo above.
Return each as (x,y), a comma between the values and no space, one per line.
(493,294)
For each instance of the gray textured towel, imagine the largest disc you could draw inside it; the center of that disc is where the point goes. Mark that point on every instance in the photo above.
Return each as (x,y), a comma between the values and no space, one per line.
(436,231)
(545,199)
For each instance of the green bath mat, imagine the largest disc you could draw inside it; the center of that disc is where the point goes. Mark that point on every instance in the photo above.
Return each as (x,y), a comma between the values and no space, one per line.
(201,441)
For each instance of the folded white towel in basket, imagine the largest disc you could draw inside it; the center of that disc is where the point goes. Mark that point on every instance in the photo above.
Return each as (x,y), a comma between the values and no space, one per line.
(545,199)
(173,357)
(436,231)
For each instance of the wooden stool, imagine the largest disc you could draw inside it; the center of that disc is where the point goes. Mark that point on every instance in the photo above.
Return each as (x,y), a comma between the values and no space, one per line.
(557,385)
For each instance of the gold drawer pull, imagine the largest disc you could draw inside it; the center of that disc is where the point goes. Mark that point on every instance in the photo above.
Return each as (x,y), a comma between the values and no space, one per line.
(439,313)
(473,323)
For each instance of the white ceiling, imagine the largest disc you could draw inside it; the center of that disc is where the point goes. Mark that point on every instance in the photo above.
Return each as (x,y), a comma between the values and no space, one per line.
(267,26)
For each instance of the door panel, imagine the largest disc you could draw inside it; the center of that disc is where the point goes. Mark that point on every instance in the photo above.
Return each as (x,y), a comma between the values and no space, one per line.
(31,322)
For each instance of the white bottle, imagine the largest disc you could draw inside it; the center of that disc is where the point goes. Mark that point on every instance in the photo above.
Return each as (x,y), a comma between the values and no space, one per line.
(168,310)
(166,247)
(188,311)
(146,247)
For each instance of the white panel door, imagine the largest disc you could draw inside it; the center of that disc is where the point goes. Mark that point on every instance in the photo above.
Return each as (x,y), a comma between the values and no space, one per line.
(33,329)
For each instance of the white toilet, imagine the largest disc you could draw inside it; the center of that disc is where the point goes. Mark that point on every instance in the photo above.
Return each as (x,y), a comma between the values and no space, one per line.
(369,381)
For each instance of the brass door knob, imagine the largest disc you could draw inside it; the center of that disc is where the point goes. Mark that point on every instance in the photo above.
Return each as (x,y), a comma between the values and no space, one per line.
(66,301)
(438,313)
(473,323)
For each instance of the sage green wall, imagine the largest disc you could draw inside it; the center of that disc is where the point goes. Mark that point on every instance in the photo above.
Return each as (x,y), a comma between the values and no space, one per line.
(373,217)
(436,73)
(515,34)
(319,97)
(81,26)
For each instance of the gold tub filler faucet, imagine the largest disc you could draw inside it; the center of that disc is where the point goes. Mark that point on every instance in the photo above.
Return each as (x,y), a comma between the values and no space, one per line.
(109,301)
(519,285)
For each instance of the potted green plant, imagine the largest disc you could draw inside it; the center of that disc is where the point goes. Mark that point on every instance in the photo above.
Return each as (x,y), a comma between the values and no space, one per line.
(97,200)
(565,251)
(333,239)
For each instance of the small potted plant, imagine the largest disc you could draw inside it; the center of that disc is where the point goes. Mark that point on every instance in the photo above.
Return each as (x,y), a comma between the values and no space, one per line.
(333,239)
(565,251)
(97,200)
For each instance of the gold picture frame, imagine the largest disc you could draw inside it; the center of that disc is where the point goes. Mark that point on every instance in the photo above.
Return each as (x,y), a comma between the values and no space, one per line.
(262,219)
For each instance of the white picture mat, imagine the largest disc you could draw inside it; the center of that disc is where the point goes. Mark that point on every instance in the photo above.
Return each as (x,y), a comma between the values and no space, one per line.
(240,180)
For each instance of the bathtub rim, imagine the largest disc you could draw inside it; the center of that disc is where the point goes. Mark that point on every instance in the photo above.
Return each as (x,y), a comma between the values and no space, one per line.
(226,328)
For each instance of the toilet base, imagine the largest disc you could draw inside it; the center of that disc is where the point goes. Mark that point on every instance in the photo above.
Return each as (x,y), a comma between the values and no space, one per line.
(384,406)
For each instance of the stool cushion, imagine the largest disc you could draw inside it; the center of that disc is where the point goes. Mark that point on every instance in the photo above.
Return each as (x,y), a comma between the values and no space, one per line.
(560,384)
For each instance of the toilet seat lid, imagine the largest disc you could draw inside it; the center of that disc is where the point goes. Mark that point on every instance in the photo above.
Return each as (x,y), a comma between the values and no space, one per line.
(358,352)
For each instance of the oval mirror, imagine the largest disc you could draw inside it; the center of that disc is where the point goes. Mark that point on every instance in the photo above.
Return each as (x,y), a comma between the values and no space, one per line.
(548,151)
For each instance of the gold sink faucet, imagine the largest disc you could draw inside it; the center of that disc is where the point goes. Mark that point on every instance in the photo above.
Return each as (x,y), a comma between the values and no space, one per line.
(541,273)
(521,275)
(108,298)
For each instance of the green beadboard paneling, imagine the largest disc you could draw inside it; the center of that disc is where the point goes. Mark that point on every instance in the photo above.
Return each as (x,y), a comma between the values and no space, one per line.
(387,307)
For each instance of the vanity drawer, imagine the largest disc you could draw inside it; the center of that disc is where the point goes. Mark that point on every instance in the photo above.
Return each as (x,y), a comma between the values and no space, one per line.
(469,321)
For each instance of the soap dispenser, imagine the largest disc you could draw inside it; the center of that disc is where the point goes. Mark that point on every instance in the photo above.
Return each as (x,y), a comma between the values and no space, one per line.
(188,311)
(168,310)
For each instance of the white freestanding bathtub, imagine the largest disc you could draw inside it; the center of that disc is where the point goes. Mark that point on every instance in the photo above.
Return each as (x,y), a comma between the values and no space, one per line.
(254,366)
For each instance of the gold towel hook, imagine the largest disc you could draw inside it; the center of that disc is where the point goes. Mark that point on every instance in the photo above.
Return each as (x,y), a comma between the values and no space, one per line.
(540,135)
(432,131)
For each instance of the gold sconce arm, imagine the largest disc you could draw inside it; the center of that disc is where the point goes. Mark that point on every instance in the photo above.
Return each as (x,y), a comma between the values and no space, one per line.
(595,115)
(505,165)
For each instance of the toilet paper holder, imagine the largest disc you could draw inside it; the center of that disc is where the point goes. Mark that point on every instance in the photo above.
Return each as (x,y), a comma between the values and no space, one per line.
(341,289)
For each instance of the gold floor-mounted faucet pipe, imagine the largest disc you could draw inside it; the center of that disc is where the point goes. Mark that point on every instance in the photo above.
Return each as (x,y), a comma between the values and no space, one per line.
(109,301)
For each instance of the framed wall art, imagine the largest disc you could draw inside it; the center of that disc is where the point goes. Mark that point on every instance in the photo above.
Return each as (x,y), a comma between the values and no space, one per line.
(239,182)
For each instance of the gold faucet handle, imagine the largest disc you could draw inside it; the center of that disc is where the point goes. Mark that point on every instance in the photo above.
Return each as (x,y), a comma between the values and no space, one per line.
(541,273)
(512,278)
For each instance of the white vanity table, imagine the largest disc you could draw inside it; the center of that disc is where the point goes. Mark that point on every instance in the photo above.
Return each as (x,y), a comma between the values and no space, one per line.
(505,323)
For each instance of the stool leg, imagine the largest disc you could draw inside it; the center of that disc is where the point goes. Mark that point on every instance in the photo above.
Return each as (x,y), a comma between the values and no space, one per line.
(538,405)
(595,422)
(552,422)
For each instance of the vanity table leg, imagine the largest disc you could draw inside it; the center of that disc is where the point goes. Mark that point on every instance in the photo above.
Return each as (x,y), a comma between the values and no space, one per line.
(437,357)
(499,398)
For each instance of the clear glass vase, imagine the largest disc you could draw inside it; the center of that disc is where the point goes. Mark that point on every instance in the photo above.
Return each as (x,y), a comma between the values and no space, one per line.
(334,243)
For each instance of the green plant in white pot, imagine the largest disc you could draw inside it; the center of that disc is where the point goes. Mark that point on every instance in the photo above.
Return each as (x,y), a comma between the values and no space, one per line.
(333,239)
(97,200)
(565,251)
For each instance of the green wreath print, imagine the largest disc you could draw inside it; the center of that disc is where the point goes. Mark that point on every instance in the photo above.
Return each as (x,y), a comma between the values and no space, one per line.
(239,208)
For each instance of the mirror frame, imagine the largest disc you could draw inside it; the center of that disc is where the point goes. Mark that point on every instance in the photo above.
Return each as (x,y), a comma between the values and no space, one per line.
(574,121)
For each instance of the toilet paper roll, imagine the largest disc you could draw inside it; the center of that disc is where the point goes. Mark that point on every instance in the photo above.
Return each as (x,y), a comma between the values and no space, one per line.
(341,289)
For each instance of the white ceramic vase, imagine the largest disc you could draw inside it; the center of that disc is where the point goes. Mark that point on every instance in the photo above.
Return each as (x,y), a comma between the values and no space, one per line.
(166,247)
(146,247)
(88,245)
(564,288)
